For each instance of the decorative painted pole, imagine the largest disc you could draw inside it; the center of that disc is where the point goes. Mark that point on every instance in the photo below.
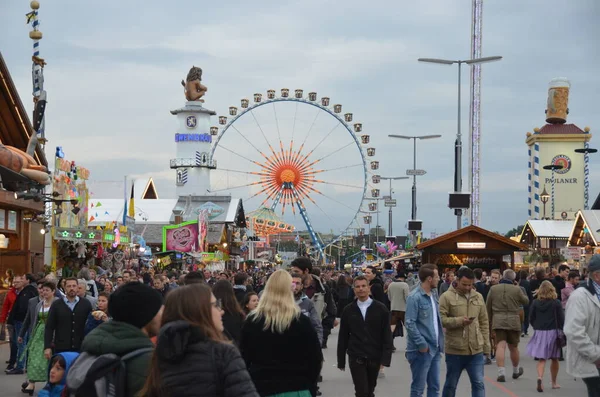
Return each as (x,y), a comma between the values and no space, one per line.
(586,173)
(552,193)
(536,180)
(37,76)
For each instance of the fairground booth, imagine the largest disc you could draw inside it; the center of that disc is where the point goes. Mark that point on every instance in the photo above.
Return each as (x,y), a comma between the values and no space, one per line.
(471,246)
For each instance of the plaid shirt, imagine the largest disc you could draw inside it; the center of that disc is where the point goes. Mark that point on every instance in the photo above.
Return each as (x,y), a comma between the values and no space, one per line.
(597,288)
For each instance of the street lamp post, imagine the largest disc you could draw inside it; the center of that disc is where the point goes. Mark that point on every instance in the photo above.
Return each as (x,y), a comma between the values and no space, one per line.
(414,172)
(458,143)
(391,178)
(544,197)
(552,168)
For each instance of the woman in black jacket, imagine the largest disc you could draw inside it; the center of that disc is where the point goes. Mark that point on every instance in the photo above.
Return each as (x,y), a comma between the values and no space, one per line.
(192,357)
(233,316)
(547,319)
(279,344)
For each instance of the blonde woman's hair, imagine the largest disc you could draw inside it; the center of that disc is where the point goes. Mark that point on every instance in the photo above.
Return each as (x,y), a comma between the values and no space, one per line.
(547,291)
(277,305)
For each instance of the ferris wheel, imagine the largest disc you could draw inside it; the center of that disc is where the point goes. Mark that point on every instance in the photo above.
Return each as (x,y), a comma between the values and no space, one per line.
(299,156)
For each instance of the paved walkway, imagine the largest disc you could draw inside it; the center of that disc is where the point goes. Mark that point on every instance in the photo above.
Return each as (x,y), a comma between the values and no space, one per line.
(397,381)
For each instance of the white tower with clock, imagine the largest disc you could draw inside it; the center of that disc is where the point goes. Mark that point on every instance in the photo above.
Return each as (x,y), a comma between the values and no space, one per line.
(193,141)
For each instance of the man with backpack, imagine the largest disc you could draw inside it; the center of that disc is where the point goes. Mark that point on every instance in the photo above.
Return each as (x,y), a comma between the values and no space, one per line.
(123,344)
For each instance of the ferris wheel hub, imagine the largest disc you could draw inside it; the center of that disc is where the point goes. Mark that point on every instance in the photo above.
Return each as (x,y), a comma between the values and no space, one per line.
(288,176)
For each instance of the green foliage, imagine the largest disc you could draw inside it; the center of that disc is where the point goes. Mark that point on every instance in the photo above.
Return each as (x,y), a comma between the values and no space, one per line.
(514,231)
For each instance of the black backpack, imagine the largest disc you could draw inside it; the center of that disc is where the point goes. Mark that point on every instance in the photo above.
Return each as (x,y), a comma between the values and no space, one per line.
(100,376)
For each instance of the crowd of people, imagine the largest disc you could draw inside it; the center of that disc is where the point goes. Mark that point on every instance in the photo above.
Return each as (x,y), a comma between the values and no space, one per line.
(262,332)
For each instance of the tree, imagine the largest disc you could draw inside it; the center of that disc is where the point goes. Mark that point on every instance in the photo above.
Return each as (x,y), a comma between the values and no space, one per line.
(377,231)
(515,231)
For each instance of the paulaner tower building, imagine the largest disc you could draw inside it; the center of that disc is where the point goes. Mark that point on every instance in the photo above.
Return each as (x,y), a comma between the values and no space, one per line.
(554,145)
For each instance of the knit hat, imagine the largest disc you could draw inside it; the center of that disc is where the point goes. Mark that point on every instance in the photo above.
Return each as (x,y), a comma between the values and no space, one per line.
(134,303)
(594,264)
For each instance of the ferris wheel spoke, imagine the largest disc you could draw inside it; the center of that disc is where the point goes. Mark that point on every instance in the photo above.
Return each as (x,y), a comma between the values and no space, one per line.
(239,155)
(243,172)
(294,123)
(312,172)
(330,154)
(321,141)
(237,187)
(334,200)
(326,214)
(249,142)
(337,184)
(262,132)
(277,125)
(310,129)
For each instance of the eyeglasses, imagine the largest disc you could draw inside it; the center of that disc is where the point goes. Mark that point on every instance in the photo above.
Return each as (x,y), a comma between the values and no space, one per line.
(217,304)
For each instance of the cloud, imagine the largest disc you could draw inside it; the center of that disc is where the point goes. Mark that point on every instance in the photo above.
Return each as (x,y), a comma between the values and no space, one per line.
(112,79)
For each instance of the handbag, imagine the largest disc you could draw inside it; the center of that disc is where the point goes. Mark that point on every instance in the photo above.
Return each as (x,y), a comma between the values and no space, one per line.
(561,339)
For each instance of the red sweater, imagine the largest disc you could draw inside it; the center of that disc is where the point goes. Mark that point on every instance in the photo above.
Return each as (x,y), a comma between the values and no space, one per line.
(9,301)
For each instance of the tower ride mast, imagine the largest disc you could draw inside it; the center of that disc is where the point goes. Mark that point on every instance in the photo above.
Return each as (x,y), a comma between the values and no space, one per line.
(475,111)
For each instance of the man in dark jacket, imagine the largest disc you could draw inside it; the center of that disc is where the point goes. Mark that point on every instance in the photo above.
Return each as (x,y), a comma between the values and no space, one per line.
(65,325)
(240,289)
(366,336)
(25,291)
(376,285)
(136,311)
(559,280)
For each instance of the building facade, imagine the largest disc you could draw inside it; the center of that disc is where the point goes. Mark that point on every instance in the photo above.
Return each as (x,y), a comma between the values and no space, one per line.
(554,146)
(19,223)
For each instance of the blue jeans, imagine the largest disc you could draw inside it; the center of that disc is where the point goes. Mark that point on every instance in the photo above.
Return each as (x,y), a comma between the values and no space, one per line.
(455,365)
(21,359)
(425,370)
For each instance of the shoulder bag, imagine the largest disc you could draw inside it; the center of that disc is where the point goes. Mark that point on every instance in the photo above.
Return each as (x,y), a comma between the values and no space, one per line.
(561,339)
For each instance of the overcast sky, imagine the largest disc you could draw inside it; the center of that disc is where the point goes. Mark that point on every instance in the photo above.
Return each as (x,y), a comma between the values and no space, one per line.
(114,71)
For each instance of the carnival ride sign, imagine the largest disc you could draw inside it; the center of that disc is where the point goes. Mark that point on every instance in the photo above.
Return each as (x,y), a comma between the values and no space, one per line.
(182,237)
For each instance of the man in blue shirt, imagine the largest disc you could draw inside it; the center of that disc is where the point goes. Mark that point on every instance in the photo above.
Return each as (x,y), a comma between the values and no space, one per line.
(425,335)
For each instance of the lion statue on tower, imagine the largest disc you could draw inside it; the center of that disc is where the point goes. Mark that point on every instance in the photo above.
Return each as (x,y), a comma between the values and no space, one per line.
(192,86)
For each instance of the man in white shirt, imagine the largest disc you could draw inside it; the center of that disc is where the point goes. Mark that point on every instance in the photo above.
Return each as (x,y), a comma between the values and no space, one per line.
(366,337)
